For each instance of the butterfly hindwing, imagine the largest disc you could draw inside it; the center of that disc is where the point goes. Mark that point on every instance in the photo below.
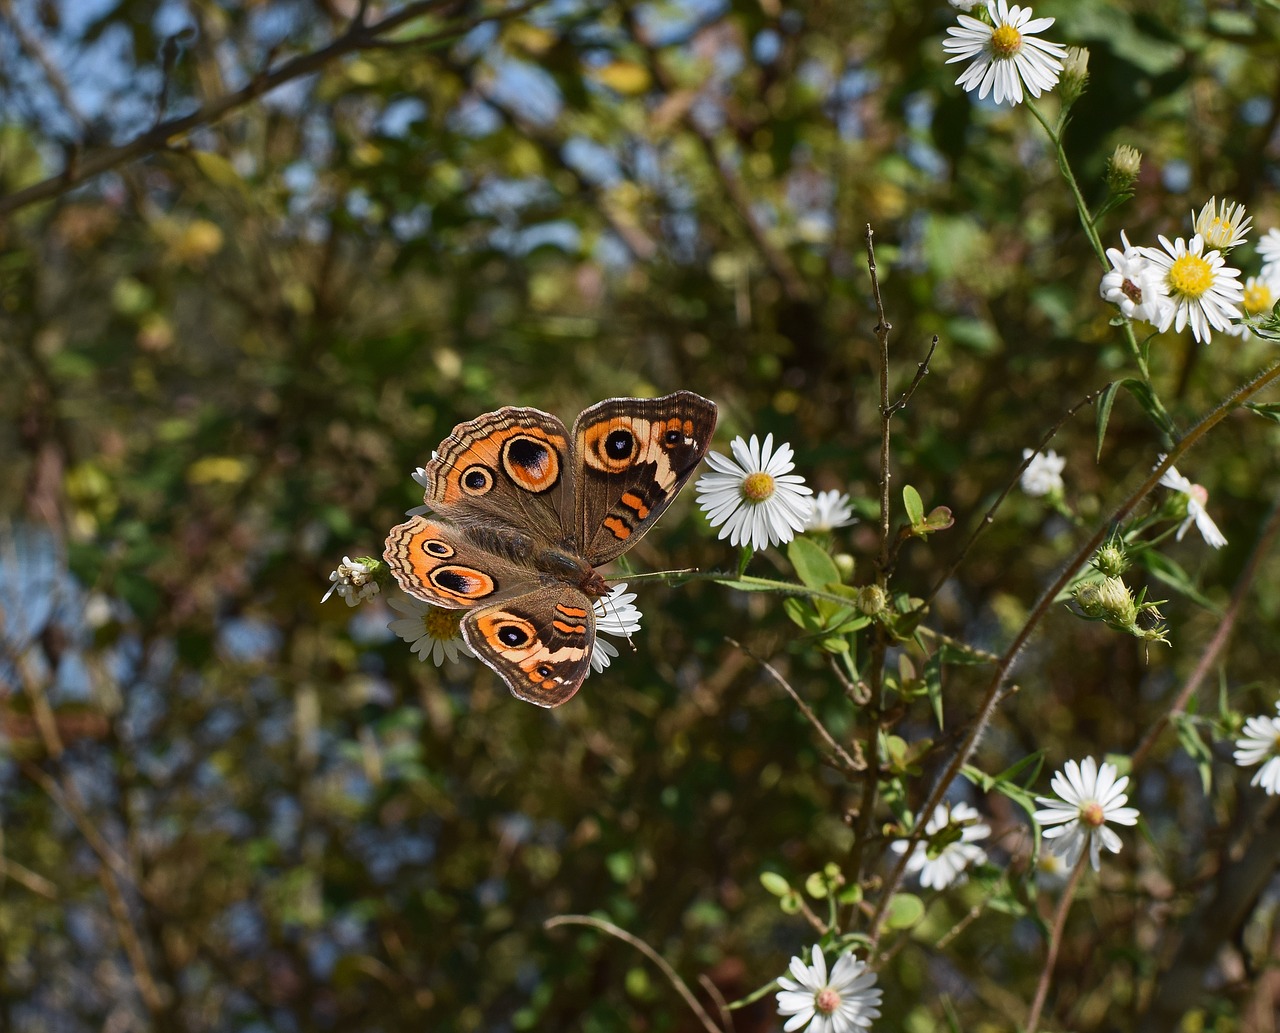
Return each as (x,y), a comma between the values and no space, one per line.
(539,642)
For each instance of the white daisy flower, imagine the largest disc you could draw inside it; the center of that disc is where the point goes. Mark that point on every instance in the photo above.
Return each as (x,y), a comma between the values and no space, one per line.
(757,498)
(942,867)
(829,510)
(1043,475)
(1221,227)
(1260,296)
(354,580)
(1135,284)
(1006,54)
(1203,288)
(1269,252)
(1089,797)
(616,614)
(1196,496)
(1261,741)
(841,1004)
(432,631)
(1051,869)
(965,5)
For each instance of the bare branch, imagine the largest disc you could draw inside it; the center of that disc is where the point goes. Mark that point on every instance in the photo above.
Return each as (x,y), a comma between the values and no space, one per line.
(357,37)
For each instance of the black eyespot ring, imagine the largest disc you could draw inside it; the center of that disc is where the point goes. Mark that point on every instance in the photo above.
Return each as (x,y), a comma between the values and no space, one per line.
(673,437)
(477,480)
(510,635)
(545,672)
(619,444)
(437,548)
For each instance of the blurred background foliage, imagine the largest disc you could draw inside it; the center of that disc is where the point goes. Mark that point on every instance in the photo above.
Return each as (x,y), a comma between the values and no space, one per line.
(225,806)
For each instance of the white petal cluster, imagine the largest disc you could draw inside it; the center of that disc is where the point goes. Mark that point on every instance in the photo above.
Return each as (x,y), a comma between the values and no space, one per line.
(1043,475)
(1089,796)
(1136,285)
(839,1004)
(1203,289)
(431,632)
(1006,56)
(1196,496)
(829,510)
(754,495)
(946,867)
(1260,744)
(353,580)
(616,614)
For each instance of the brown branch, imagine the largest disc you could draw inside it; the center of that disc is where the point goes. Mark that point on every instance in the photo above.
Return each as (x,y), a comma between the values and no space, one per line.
(608,927)
(1055,941)
(1220,637)
(994,693)
(357,37)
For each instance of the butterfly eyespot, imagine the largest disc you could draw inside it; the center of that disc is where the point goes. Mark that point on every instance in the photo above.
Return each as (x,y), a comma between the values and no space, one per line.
(512,635)
(544,671)
(477,480)
(673,437)
(437,548)
(619,444)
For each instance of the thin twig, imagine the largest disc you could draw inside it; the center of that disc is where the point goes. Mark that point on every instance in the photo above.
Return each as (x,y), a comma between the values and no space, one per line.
(35,49)
(615,931)
(1270,527)
(993,695)
(989,517)
(357,37)
(722,1006)
(1055,941)
(850,765)
(880,638)
(922,371)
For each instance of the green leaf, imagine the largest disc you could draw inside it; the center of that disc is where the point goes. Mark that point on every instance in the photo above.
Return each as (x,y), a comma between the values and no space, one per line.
(904,911)
(1270,410)
(1150,404)
(816,886)
(1105,401)
(1162,568)
(915,507)
(775,884)
(1197,749)
(814,567)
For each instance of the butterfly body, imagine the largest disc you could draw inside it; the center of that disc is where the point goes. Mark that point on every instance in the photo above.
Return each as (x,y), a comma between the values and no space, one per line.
(522,514)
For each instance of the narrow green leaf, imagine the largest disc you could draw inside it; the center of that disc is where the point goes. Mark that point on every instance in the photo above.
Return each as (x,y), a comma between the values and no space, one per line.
(1162,568)
(1270,411)
(1105,401)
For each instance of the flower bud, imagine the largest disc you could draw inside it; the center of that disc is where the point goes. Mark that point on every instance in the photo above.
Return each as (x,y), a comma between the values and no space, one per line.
(1123,167)
(1075,75)
(1111,559)
(871,600)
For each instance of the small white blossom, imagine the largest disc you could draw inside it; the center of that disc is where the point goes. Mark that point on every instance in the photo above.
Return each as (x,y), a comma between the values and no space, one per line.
(616,614)
(1269,252)
(754,495)
(1261,742)
(829,510)
(353,580)
(1196,496)
(1135,284)
(944,867)
(1006,55)
(1043,475)
(965,5)
(846,1001)
(431,631)
(1222,227)
(1089,797)
(1203,289)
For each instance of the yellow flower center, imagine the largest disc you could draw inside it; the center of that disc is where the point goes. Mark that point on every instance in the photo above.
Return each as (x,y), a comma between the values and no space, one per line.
(1258,298)
(1006,41)
(441,624)
(1190,276)
(757,487)
(1092,814)
(826,1000)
